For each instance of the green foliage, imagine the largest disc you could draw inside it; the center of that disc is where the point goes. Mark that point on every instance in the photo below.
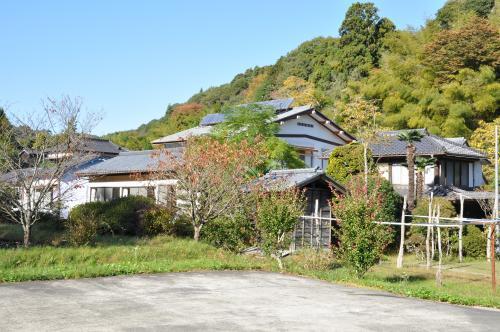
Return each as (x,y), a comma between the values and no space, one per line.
(346,161)
(82,227)
(164,221)
(121,216)
(474,242)
(362,241)
(453,10)
(447,210)
(277,215)
(254,124)
(361,35)
(474,45)
(232,234)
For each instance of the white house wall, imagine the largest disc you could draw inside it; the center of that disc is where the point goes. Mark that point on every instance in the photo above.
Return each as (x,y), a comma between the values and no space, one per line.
(319,147)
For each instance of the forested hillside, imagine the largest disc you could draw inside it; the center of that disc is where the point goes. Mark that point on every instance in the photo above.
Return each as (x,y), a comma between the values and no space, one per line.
(443,76)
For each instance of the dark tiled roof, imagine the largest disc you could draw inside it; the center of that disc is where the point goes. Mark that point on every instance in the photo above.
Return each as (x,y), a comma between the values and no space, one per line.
(130,162)
(294,178)
(99,145)
(388,145)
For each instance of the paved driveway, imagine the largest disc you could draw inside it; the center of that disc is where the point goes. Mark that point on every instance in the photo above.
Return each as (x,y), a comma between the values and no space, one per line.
(235,301)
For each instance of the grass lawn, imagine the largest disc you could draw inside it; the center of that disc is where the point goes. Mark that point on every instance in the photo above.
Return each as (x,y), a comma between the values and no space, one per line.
(467,283)
(120,256)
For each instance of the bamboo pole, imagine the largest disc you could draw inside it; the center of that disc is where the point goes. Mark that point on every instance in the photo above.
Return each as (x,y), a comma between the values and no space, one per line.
(427,238)
(438,273)
(399,263)
(492,239)
(461,230)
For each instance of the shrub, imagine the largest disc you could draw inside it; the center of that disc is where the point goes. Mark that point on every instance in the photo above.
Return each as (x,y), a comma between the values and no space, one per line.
(124,216)
(233,234)
(474,242)
(121,216)
(160,220)
(82,227)
(361,240)
(277,214)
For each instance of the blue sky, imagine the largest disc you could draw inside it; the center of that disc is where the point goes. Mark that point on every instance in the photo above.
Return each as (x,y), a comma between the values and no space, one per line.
(129,59)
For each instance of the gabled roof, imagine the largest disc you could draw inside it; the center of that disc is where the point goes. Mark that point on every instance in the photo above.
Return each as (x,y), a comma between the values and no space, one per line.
(209,120)
(388,145)
(101,145)
(295,178)
(129,163)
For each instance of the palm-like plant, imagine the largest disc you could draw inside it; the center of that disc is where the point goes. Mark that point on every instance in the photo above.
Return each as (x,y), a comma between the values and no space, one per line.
(421,163)
(410,137)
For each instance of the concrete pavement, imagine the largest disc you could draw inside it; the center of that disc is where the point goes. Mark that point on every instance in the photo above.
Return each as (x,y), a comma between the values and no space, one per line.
(230,301)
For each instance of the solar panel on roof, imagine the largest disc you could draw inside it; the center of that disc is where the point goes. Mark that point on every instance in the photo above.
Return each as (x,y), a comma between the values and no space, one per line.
(277,104)
(212,119)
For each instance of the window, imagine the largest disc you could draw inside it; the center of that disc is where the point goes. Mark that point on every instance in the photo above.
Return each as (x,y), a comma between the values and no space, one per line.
(106,194)
(456,173)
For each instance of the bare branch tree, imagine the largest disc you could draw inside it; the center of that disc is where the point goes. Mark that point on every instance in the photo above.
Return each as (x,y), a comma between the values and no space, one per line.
(36,153)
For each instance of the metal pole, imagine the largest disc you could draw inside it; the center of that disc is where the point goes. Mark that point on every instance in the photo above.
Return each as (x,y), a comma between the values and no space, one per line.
(493,271)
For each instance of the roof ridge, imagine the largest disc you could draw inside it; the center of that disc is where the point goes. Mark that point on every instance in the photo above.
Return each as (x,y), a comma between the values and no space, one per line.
(457,144)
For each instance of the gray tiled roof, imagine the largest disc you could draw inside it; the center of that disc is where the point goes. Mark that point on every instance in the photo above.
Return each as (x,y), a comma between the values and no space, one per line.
(388,145)
(99,145)
(449,192)
(129,162)
(294,178)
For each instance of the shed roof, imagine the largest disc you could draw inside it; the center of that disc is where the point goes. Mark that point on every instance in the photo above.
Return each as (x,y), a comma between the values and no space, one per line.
(388,145)
(295,178)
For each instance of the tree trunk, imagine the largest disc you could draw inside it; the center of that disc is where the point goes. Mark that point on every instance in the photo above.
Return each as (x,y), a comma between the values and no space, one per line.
(420,184)
(26,236)
(197,232)
(410,156)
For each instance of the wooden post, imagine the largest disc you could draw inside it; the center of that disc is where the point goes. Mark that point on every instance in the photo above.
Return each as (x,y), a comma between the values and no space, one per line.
(493,270)
(461,230)
(399,263)
(438,273)
(316,215)
(427,238)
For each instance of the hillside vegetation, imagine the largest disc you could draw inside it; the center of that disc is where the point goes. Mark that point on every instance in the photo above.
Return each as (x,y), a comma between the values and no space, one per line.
(443,76)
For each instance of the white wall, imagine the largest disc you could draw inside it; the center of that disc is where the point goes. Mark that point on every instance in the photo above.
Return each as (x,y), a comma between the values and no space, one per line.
(291,127)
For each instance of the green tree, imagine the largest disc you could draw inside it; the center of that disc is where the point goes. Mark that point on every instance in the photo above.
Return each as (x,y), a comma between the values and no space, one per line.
(472,46)
(255,124)
(362,241)
(347,161)
(410,137)
(361,33)
(277,214)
